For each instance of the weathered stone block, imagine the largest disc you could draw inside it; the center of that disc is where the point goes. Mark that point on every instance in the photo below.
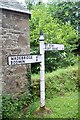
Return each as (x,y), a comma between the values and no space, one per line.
(9,44)
(22,40)
(16,51)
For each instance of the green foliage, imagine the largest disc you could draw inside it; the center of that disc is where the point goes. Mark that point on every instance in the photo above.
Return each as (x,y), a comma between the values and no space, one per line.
(55,60)
(66,12)
(58,82)
(54,32)
(15,107)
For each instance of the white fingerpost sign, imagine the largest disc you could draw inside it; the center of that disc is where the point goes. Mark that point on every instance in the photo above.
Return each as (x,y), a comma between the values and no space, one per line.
(25,59)
(49,47)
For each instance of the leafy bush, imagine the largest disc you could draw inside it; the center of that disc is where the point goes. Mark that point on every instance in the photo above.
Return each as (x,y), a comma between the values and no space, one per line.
(13,107)
(55,60)
(66,12)
(58,82)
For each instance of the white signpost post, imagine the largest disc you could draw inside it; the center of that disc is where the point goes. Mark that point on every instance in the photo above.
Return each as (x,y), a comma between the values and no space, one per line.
(25,59)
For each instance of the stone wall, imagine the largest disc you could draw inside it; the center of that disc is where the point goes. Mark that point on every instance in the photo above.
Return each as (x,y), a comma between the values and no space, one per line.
(0,64)
(15,41)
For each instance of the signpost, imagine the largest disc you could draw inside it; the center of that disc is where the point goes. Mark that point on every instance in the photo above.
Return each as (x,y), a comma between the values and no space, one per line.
(25,59)
(49,47)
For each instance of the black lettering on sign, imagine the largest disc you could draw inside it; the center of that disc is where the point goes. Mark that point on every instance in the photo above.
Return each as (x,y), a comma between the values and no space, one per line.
(52,47)
(11,58)
(17,62)
(49,46)
(46,46)
(22,57)
(11,62)
(29,57)
(37,58)
(55,48)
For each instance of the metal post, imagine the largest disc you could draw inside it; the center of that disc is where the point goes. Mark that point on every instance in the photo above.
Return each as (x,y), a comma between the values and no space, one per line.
(42,71)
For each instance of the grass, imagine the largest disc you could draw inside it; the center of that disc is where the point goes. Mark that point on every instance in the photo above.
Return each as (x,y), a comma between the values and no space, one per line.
(61,106)
(61,93)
